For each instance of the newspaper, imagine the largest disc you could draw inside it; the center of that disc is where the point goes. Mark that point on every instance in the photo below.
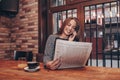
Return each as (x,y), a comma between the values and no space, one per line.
(72,54)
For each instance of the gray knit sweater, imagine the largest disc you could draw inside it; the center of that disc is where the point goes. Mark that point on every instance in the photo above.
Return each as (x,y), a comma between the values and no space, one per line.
(49,48)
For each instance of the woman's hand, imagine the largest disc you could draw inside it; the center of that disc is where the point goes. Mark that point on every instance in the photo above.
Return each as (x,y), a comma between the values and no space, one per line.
(71,37)
(53,64)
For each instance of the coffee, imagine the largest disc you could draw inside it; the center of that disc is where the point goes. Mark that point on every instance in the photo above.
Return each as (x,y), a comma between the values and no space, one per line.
(32,65)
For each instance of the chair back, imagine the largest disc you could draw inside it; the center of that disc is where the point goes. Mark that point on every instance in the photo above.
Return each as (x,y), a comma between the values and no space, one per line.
(27,55)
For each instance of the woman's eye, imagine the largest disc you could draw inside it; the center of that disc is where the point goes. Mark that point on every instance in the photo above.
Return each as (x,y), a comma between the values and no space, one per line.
(73,27)
(69,25)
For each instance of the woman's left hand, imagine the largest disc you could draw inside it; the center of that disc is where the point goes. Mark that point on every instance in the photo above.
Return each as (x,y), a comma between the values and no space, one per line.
(54,64)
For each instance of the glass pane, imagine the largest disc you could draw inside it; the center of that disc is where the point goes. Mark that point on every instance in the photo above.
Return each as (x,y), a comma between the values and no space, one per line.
(55,3)
(57,21)
(69,13)
(114,12)
(87,24)
(114,9)
(74,12)
(99,14)
(107,13)
(93,14)
(87,15)
(64,15)
(55,24)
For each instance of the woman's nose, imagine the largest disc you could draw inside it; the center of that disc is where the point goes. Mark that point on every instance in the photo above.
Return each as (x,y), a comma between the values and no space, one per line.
(70,27)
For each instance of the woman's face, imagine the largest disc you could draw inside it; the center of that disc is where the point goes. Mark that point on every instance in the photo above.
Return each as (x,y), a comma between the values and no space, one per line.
(69,28)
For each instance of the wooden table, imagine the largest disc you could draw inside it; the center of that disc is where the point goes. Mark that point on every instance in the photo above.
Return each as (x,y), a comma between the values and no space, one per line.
(10,71)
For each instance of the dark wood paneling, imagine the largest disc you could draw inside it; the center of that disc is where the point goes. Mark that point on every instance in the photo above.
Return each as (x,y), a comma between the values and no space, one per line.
(42,24)
(92,2)
(76,1)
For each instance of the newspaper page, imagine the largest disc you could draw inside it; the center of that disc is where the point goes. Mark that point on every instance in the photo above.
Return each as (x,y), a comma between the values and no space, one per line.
(72,54)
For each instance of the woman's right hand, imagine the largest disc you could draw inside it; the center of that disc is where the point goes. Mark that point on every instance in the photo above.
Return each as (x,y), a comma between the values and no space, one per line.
(71,37)
(53,64)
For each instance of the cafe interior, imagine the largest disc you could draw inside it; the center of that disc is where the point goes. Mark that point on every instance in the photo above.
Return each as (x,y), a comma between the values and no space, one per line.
(26,24)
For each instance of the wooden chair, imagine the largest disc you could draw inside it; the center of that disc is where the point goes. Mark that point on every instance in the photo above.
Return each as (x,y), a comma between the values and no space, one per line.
(24,55)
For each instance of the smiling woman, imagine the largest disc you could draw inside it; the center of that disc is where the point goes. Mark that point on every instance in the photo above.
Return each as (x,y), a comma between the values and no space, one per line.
(68,31)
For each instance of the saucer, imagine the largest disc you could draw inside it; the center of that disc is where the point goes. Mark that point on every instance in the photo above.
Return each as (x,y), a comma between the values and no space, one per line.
(32,70)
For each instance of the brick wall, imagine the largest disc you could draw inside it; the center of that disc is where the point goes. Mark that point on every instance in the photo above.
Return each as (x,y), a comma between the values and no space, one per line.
(5,25)
(22,30)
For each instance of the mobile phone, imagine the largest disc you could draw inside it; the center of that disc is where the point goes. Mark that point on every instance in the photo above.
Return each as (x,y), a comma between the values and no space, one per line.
(77,29)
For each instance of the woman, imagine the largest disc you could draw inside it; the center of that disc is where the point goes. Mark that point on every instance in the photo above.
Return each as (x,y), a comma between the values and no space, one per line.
(68,31)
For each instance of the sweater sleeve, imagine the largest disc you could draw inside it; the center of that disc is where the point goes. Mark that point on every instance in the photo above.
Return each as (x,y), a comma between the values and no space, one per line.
(49,49)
